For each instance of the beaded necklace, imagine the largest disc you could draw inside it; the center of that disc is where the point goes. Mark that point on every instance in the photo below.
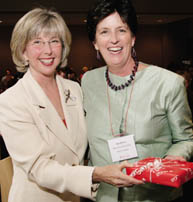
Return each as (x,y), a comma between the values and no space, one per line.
(127,83)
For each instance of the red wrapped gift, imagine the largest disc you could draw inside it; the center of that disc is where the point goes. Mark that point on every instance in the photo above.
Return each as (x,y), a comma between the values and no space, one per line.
(172,173)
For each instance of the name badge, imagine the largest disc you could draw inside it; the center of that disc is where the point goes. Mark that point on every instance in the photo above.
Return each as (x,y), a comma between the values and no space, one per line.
(122,148)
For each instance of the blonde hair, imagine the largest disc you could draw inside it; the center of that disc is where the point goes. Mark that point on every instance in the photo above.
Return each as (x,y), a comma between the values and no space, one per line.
(30,26)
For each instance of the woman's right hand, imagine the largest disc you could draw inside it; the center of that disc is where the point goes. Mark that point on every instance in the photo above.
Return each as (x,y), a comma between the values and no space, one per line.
(112,174)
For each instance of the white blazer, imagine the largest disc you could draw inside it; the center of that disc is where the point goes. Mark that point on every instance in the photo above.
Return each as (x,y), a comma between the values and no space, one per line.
(43,150)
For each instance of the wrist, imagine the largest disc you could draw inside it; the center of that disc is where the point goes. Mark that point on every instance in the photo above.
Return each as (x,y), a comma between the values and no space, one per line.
(96,176)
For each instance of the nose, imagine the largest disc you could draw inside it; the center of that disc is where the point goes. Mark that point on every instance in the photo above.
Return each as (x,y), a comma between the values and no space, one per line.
(47,47)
(114,38)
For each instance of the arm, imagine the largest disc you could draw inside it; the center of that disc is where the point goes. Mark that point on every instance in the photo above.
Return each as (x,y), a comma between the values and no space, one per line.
(179,118)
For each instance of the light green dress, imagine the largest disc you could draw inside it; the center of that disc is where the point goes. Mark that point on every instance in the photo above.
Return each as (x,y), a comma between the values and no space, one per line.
(158,116)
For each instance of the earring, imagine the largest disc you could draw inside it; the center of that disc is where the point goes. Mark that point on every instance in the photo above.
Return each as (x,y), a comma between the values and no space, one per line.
(98,55)
(133,53)
(134,56)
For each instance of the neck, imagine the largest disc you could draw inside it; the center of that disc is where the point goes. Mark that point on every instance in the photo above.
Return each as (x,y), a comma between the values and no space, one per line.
(46,82)
(126,84)
(122,71)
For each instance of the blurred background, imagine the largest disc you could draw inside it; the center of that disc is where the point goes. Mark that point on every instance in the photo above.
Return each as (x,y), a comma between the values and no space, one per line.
(165,36)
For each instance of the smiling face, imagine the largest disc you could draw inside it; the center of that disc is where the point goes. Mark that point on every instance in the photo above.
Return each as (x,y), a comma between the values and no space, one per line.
(114,41)
(44,55)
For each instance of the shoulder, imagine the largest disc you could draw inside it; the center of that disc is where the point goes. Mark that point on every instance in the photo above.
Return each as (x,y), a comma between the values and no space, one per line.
(163,71)
(11,93)
(93,75)
(169,83)
(164,75)
(13,103)
(161,80)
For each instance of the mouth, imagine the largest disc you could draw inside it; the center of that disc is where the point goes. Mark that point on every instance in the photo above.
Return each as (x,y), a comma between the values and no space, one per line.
(47,62)
(115,49)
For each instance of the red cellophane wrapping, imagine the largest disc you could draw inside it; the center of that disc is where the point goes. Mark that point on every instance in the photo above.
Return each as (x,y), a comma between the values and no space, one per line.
(172,173)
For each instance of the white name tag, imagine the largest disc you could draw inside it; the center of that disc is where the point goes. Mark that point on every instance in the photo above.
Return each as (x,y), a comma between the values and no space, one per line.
(122,148)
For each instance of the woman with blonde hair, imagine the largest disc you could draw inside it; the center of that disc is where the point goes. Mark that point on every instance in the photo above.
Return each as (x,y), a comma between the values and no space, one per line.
(42,119)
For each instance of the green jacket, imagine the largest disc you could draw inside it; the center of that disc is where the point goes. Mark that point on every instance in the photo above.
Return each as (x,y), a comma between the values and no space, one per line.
(158,115)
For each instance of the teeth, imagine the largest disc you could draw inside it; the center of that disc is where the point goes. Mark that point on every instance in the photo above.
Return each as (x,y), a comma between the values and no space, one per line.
(115,49)
(46,61)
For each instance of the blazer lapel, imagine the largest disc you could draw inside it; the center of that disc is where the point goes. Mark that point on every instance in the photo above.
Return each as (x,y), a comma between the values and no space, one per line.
(63,94)
(47,111)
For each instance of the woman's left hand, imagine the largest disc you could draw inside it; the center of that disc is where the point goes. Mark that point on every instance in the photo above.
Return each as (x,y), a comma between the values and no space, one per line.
(179,158)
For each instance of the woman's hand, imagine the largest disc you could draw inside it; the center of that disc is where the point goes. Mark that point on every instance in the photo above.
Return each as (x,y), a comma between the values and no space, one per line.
(178,158)
(112,174)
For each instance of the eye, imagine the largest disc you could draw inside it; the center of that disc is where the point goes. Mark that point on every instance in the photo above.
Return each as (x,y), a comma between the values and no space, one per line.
(55,41)
(104,32)
(37,42)
(122,30)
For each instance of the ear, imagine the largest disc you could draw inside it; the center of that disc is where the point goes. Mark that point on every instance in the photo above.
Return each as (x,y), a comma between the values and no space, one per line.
(95,45)
(25,56)
(133,40)
(25,59)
